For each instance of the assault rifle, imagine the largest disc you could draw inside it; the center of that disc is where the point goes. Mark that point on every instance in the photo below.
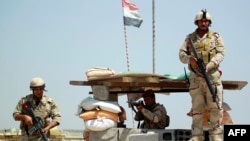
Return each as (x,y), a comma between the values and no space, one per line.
(202,68)
(134,103)
(36,121)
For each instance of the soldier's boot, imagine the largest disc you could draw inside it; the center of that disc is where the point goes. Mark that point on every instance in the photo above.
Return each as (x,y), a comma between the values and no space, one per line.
(216,135)
(196,138)
(216,138)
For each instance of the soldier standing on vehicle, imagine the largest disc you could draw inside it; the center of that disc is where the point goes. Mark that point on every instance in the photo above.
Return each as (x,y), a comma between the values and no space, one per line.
(210,48)
(153,114)
(44,107)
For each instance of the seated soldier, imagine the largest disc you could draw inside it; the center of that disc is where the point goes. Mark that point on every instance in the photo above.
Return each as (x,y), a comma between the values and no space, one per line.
(154,115)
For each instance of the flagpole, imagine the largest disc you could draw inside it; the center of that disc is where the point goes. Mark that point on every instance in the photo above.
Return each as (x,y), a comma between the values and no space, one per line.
(130,18)
(126,40)
(126,46)
(153,32)
(127,57)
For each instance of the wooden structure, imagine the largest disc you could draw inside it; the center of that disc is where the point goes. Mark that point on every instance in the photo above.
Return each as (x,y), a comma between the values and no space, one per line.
(132,83)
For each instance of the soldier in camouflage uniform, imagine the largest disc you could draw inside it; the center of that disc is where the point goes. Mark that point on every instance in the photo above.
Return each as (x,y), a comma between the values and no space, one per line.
(153,114)
(44,107)
(210,47)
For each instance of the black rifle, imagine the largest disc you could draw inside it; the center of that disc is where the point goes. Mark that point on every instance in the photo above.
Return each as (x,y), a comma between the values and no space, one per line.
(202,68)
(134,103)
(36,121)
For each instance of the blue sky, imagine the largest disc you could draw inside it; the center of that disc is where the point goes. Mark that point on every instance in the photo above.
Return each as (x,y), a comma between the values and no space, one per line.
(60,40)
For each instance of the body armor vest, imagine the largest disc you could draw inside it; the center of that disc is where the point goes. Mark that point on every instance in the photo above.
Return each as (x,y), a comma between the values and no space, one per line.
(204,48)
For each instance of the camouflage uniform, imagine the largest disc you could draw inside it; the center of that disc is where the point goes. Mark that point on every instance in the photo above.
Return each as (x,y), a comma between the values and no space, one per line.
(211,48)
(47,110)
(148,115)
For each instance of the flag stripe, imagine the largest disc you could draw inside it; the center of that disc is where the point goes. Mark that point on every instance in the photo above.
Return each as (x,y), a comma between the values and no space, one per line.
(130,14)
(129,5)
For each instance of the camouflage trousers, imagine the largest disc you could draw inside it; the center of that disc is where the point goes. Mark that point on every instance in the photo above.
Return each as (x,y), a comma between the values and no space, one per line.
(201,99)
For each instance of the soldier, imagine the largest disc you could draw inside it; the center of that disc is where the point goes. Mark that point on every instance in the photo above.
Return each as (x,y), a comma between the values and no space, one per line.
(154,114)
(210,47)
(44,107)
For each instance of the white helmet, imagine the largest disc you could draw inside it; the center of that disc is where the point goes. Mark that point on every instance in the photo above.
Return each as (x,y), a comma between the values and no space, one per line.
(203,14)
(37,82)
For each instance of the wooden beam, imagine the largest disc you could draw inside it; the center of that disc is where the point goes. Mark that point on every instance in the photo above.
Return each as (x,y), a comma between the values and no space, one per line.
(168,85)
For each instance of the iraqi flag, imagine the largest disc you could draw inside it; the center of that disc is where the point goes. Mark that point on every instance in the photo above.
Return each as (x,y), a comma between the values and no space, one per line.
(130,14)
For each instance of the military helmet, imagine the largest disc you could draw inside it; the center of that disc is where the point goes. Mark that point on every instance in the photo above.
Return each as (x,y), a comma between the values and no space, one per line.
(37,82)
(148,93)
(203,14)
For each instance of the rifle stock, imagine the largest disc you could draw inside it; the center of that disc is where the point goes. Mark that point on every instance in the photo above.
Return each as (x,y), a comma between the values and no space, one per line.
(36,121)
(202,68)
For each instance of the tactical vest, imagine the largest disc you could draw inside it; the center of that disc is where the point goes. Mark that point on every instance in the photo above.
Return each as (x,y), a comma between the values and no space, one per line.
(203,48)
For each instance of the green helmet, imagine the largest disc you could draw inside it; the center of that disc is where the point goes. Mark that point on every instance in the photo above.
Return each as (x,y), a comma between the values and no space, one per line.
(37,82)
(203,14)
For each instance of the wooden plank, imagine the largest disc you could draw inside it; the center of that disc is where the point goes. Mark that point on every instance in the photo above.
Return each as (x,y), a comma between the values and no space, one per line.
(141,91)
(180,84)
(172,84)
(234,85)
(129,74)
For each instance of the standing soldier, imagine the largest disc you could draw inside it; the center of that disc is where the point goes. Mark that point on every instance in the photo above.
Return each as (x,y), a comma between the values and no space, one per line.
(44,107)
(210,48)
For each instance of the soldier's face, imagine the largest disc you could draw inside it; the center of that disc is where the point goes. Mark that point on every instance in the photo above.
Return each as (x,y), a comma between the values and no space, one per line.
(149,101)
(38,93)
(203,24)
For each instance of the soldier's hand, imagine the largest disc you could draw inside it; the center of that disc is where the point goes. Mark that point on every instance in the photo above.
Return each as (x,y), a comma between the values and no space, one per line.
(46,129)
(28,120)
(193,62)
(210,66)
(189,45)
(139,108)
